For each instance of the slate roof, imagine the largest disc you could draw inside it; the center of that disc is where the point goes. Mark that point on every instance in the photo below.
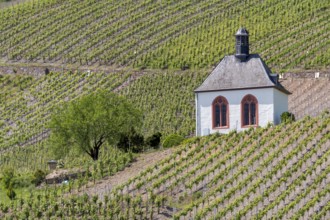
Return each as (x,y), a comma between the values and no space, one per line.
(233,74)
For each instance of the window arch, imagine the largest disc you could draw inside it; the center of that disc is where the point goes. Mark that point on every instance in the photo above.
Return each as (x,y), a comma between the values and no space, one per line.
(249,109)
(220,112)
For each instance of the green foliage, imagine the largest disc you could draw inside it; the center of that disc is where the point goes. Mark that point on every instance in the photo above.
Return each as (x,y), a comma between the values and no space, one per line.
(8,180)
(131,141)
(172,140)
(22,180)
(8,177)
(153,140)
(26,114)
(287,117)
(4,208)
(38,177)
(92,120)
(11,193)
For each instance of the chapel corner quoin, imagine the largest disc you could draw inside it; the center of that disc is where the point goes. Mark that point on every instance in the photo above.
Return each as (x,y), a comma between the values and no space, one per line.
(241,92)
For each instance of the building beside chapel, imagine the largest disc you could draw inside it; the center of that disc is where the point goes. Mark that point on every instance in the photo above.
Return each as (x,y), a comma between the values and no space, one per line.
(241,92)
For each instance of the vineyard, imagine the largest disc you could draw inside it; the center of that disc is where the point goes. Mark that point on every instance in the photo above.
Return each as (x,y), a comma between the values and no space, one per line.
(164,34)
(25,115)
(215,182)
(155,53)
(165,97)
(262,173)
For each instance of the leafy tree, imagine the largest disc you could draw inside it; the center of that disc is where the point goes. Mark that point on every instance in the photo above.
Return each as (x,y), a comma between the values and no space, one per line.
(89,122)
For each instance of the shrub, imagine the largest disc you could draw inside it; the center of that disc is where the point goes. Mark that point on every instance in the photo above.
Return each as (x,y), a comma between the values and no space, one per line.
(11,193)
(7,177)
(153,140)
(4,208)
(21,181)
(172,140)
(287,117)
(131,141)
(38,177)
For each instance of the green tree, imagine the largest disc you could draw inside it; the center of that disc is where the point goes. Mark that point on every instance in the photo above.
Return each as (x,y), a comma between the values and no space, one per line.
(92,120)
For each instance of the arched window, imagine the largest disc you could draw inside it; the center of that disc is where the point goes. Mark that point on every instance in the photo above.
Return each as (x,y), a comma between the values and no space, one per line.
(249,108)
(220,112)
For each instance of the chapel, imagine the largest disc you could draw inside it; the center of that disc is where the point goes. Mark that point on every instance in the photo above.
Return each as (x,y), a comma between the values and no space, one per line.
(241,92)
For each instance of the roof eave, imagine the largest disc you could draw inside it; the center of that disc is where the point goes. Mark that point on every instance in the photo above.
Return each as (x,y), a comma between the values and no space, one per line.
(260,87)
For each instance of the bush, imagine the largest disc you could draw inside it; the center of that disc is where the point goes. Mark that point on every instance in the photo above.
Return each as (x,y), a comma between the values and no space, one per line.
(7,177)
(4,208)
(172,140)
(22,181)
(11,193)
(153,140)
(287,117)
(131,141)
(38,177)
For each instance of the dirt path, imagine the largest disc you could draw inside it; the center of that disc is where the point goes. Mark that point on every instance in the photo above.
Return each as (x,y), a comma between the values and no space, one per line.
(143,161)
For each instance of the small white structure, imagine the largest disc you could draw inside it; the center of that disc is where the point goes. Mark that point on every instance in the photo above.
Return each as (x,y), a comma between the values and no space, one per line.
(317,75)
(241,92)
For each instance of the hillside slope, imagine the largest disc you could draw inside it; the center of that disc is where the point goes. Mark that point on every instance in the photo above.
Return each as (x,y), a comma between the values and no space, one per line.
(165,97)
(164,34)
(277,172)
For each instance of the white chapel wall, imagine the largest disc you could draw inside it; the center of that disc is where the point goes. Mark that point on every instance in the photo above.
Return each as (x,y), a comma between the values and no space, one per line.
(281,105)
(204,101)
